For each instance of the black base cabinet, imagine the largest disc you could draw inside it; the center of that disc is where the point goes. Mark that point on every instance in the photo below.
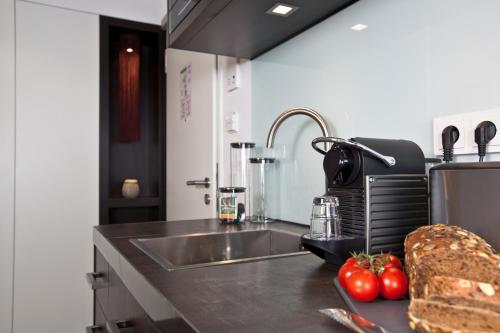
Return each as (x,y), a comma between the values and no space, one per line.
(115,309)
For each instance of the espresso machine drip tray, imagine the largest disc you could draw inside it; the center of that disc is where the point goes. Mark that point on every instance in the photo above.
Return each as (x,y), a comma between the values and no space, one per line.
(334,251)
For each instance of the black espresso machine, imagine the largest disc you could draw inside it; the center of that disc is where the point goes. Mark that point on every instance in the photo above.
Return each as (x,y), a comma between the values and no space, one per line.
(382,190)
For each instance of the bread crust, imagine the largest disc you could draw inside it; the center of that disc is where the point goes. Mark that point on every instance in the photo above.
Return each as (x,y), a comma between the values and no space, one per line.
(454,281)
(429,249)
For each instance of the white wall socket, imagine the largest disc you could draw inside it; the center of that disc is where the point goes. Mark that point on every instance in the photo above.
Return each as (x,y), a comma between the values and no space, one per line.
(466,124)
(233,80)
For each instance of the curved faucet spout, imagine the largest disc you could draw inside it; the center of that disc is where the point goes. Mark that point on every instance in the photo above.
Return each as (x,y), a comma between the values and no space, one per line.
(292,112)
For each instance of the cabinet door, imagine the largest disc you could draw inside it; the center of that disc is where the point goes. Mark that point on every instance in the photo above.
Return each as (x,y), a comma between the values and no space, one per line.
(122,307)
(100,317)
(139,319)
(102,268)
(116,308)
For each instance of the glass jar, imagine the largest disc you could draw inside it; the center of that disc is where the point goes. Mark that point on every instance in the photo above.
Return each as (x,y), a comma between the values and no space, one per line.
(325,218)
(231,204)
(263,189)
(240,153)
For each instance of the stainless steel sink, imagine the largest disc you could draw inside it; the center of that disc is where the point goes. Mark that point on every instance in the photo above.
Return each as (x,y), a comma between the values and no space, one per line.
(200,250)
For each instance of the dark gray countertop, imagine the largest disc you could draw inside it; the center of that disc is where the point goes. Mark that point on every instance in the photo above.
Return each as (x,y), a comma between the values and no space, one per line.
(278,295)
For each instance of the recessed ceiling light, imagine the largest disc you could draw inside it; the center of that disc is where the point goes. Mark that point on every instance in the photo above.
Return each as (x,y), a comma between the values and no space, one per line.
(359,27)
(282,9)
(129,50)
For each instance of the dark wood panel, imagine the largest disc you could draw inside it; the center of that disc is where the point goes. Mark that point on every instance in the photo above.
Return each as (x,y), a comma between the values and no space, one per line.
(116,303)
(138,318)
(133,214)
(102,267)
(116,308)
(100,317)
(241,28)
(142,159)
(137,202)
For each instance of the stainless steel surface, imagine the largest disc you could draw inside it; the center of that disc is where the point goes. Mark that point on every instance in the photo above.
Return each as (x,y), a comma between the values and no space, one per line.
(467,195)
(388,160)
(205,182)
(92,279)
(117,326)
(354,321)
(292,112)
(324,199)
(208,249)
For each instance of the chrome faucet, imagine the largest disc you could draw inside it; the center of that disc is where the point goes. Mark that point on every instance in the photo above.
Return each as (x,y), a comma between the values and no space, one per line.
(292,112)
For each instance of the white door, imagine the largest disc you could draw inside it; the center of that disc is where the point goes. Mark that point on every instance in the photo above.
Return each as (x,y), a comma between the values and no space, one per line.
(57,167)
(191,135)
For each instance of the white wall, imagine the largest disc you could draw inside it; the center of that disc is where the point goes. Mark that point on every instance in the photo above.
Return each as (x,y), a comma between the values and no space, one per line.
(56,168)
(148,11)
(7,145)
(417,60)
(240,101)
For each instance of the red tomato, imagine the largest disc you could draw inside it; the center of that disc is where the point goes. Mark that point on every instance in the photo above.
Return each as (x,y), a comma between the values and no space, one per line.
(363,285)
(387,260)
(393,283)
(360,260)
(351,260)
(345,272)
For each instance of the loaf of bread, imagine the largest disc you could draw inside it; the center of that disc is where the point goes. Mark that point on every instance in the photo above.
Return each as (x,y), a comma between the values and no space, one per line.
(446,250)
(457,291)
(454,281)
(437,317)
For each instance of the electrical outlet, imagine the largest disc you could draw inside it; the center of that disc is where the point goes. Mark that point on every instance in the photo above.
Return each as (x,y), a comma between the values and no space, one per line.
(233,81)
(474,119)
(440,124)
(466,124)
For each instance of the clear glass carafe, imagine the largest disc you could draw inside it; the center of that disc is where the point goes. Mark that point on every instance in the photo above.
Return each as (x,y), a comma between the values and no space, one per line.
(263,189)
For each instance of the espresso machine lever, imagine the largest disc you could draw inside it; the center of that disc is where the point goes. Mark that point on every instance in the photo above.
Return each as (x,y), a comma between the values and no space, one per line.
(389,161)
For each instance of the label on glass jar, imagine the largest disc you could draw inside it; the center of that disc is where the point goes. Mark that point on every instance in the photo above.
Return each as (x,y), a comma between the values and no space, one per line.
(228,208)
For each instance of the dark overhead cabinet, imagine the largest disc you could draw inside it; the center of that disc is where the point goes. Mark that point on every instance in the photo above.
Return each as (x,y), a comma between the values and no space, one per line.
(241,28)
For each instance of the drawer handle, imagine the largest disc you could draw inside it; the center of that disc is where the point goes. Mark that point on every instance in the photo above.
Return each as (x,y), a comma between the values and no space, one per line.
(116,326)
(93,329)
(92,279)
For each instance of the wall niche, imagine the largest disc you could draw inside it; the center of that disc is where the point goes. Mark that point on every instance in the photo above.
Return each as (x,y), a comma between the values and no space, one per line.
(132,121)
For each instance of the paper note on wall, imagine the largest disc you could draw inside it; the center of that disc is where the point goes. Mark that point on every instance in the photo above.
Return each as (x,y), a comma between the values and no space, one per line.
(186,93)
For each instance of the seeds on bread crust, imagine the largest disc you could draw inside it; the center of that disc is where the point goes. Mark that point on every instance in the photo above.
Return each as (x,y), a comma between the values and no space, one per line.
(486,288)
(464,283)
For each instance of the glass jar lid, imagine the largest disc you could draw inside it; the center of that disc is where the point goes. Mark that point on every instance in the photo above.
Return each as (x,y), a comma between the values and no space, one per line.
(232,189)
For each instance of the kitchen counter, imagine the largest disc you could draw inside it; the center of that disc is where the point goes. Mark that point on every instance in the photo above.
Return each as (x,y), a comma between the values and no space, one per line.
(277,295)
